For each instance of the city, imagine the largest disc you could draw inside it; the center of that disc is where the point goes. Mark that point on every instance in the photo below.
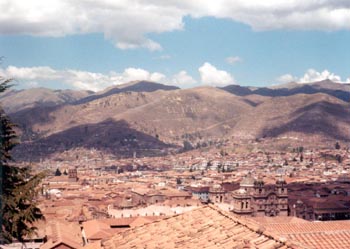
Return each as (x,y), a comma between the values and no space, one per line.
(174,124)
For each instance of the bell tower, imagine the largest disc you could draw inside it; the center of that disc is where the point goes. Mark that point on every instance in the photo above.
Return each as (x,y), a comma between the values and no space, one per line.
(72,174)
(242,198)
(282,196)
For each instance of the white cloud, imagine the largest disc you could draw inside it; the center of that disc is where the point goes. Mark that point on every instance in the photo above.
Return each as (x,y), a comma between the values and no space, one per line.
(310,76)
(86,80)
(182,79)
(40,76)
(128,22)
(157,77)
(286,78)
(233,59)
(32,73)
(210,75)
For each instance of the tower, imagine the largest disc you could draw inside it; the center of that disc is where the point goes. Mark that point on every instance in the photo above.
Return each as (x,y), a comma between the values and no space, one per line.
(242,198)
(72,175)
(282,196)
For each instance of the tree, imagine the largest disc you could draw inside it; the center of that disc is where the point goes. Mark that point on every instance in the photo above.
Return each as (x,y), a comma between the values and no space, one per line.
(58,172)
(187,146)
(178,181)
(338,158)
(18,188)
(337,146)
(223,153)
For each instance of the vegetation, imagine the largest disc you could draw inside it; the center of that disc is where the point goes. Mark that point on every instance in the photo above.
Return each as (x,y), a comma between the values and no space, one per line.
(299,149)
(18,188)
(337,146)
(178,181)
(58,172)
(187,146)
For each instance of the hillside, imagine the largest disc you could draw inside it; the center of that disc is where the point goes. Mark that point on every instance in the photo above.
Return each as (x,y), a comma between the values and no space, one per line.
(338,90)
(134,86)
(17,100)
(162,117)
(299,115)
(156,122)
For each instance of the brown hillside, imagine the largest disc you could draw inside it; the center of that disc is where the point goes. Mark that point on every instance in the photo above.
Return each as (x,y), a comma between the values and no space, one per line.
(168,114)
(153,122)
(317,114)
(17,100)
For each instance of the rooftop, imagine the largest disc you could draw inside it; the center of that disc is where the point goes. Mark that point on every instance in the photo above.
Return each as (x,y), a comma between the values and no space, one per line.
(204,227)
(327,234)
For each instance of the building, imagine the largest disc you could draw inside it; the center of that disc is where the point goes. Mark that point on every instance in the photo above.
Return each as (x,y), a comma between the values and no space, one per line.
(217,194)
(200,192)
(319,201)
(322,209)
(73,175)
(204,227)
(155,196)
(254,198)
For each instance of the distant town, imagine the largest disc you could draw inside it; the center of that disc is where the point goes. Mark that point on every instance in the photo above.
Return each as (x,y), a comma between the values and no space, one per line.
(87,198)
(174,124)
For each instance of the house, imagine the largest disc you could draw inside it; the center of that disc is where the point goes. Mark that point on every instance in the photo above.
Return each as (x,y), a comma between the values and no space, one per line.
(203,227)
(62,235)
(254,198)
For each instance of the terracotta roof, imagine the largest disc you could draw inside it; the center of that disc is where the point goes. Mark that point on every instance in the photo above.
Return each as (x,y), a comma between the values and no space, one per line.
(204,227)
(95,245)
(324,226)
(96,229)
(62,233)
(278,219)
(326,234)
(105,228)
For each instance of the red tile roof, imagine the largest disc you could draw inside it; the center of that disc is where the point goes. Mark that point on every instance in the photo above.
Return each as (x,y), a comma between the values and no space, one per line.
(204,227)
(326,234)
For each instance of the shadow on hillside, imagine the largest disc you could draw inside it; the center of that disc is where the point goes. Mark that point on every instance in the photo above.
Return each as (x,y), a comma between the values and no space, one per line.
(25,119)
(283,92)
(142,86)
(315,119)
(111,136)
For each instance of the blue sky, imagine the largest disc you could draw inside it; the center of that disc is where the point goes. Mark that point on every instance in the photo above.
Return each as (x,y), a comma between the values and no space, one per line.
(178,43)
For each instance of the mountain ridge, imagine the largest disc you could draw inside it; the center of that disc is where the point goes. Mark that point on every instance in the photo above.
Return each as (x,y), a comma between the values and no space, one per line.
(155,122)
(338,90)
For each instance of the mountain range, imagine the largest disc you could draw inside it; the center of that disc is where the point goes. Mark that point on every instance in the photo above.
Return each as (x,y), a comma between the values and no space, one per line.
(152,118)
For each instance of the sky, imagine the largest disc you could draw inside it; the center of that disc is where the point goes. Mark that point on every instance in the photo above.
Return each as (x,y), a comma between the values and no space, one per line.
(93,44)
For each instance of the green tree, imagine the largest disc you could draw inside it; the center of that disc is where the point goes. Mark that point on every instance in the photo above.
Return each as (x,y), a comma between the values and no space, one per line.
(58,172)
(337,146)
(18,188)
(178,181)
(187,146)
